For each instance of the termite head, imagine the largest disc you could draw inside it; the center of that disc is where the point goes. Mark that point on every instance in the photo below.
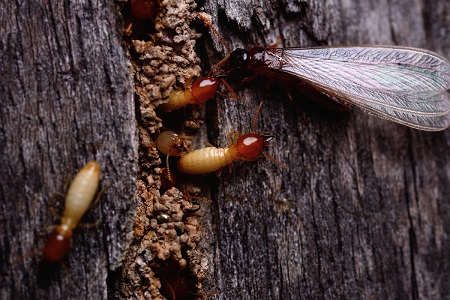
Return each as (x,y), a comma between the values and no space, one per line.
(251,145)
(170,143)
(238,59)
(57,245)
(204,88)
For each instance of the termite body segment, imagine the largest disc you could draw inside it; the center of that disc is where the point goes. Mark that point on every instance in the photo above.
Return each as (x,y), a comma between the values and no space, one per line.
(210,159)
(200,91)
(78,199)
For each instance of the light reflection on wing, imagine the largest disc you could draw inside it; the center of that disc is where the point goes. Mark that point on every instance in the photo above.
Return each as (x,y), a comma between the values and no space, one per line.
(405,85)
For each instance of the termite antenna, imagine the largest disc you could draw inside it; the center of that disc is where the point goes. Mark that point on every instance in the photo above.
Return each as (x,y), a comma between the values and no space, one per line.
(229,88)
(210,25)
(217,67)
(255,118)
(168,169)
(274,160)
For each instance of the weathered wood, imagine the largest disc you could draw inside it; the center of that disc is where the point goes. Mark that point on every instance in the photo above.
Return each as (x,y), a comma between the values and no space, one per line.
(66,98)
(363,211)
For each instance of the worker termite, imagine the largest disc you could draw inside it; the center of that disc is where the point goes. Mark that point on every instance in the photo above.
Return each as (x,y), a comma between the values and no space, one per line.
(203,89)
(171,144)
(77,201)
(242,147)
(409,86)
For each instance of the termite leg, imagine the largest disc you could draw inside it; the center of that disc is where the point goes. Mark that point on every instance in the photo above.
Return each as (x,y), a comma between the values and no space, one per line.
(208,144)
(231,136)
(229,88)
(97,199)
(58,196)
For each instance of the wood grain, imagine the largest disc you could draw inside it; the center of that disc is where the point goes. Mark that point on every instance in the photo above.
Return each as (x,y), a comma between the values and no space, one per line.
(363,211)
(66,99)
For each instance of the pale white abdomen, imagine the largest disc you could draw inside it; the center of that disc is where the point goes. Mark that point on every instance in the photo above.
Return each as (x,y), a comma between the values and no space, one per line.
(177,100)
(206,160)
(81,192)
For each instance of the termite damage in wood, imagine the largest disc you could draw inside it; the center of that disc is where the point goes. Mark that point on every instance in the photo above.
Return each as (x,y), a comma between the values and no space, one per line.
(164,260)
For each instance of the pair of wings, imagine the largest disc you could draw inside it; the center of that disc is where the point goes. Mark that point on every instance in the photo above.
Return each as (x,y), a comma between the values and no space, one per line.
(405,85)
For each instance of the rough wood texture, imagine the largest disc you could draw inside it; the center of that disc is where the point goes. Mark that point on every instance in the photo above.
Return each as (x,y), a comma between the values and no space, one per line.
(362,212)
(66,98)
(364,209)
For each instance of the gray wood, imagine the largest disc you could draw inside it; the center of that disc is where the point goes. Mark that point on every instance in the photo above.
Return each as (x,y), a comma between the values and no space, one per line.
(362,212)
(66,98)
(364,209)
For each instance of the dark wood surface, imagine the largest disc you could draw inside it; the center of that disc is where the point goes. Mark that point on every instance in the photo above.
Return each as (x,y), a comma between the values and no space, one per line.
(362,212)
(66,98)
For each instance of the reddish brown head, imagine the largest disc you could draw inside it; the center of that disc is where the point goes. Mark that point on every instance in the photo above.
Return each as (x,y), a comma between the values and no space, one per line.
(251,145)
(56,247)
(204,88)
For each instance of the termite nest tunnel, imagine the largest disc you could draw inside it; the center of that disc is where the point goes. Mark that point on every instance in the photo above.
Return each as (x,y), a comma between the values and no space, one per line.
(165,259)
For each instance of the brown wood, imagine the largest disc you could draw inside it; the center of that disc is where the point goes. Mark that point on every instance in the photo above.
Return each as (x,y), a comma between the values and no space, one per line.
(363,211)
(66,98)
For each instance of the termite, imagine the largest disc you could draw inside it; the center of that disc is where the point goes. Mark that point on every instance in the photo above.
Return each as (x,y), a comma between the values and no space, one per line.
(242,147)
(409,86)
(170,143)
(201,90)
(77,201)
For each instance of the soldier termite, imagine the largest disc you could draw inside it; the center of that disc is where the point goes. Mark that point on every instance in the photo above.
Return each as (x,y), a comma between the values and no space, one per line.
(203,89)
(244,147)
(77,201)
(409,86)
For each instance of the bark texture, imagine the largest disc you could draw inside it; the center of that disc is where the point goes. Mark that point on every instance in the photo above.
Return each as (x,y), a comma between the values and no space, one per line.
(66,98)
(363,211)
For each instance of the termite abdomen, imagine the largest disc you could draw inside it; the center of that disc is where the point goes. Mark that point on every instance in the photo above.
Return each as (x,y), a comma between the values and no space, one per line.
(200,91)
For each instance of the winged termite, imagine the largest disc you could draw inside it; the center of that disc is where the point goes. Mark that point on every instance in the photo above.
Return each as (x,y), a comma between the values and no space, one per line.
(406,85)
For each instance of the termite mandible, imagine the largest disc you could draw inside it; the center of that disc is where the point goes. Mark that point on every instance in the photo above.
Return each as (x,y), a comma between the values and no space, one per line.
(77,201)
(409,86)
(244,147)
